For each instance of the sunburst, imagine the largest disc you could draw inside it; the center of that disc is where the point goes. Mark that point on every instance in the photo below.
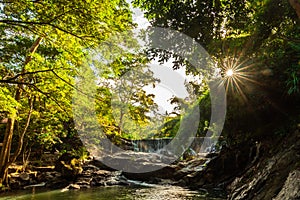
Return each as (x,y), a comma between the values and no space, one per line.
(237,74)
(229,72)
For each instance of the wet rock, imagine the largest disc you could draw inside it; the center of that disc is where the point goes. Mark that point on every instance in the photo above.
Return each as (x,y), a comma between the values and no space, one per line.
(43,169)
(219,169)
(48,176)
(24,176)
(90,167)
(104,178)
(273,177)
(138,165)
(291,188)
(189,168)
(84,181)
(165,172)
(69,166)
(54,180)
(19,180)
(43,184)
(15,184)
(73,187)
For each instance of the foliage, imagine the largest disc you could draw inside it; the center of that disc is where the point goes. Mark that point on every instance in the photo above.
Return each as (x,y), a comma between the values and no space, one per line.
(123,107)
(8,103)
(293,71)
(172,123)
(82,154)
(46,45)
(43,47)
(170,127)
(259,38)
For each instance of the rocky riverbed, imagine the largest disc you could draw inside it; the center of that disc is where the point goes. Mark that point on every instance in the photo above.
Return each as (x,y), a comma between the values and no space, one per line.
(254,171)
(67,175)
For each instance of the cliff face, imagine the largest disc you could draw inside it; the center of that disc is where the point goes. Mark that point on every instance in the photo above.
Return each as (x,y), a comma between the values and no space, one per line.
(274,175)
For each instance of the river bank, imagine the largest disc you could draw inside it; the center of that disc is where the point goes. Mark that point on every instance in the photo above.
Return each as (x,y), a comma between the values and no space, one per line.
(157,192)
(254,170)
(93,174)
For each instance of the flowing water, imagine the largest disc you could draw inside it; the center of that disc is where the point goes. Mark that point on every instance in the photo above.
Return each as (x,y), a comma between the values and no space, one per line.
(113,193)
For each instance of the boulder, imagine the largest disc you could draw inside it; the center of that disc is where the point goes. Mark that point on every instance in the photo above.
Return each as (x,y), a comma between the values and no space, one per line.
(73,187)
(69,166)
(138,165)
(24,176)
(275,176)
(291,188)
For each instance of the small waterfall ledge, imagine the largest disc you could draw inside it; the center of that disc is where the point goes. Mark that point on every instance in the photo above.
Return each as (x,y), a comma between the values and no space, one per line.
(208,144)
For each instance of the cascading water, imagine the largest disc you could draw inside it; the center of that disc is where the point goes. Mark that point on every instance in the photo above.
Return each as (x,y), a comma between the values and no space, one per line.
(156,145)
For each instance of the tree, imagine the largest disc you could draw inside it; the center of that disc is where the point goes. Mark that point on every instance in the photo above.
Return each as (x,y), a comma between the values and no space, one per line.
(126,107)
(259,39)
(43,43)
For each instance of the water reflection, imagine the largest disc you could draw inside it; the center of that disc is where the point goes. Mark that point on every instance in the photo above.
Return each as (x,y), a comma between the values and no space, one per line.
(115,193)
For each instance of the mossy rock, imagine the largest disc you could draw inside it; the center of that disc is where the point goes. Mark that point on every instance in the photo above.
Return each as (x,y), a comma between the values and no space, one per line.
(69,166)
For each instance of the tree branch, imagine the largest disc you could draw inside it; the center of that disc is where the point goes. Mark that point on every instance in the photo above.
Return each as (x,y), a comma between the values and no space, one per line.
(50,97)
(37,1)
(19,23)
(296,5)
(21,138)
(15,82)
(8,80)
(71,85)
(25,73)
(32,50)
(9,21)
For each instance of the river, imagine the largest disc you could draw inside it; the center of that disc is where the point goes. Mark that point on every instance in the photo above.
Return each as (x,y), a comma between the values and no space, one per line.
(113,193)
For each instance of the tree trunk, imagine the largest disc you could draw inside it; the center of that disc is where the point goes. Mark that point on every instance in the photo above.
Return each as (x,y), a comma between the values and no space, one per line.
(5,150)
(296,5)
(121,123)
(21,137)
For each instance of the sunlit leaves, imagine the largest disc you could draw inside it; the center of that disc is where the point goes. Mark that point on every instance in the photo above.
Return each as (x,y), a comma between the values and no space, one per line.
(7,102)
(85,20)
(67,30)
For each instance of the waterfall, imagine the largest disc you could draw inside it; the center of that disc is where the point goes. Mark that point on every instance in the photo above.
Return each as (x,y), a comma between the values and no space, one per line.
(204,144)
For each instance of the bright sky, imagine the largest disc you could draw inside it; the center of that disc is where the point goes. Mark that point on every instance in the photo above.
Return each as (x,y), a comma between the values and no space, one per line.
(171,84)
(171,81)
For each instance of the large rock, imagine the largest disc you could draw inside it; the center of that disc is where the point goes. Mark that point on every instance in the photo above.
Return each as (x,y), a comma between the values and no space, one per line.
(189,169)
(54,180)
(165,172)
(144,167)
(210,172)
(69,166)
(275,176)
(291,188)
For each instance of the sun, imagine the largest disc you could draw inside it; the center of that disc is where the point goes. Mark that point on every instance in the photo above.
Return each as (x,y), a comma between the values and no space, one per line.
(237,74)
(229,72)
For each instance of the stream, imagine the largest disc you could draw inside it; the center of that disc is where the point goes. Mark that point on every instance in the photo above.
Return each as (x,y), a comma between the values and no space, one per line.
(113,193)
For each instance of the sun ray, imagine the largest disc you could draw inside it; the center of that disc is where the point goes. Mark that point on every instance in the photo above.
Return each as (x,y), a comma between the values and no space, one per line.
(239,90)
(246,67)
(250,80)
(238,75)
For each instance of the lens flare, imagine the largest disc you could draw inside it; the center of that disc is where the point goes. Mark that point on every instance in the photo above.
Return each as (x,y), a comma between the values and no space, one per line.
(237,74)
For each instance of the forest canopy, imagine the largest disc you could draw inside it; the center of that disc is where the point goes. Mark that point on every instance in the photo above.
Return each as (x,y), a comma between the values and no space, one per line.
(44,45)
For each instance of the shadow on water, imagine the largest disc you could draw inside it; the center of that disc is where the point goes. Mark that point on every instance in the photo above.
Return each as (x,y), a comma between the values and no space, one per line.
(113,193)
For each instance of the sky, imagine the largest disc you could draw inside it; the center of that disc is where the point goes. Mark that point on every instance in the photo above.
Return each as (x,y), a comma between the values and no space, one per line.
(171,81)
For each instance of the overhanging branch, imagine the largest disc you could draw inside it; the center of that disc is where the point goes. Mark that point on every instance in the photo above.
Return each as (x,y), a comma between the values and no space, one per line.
(21,23)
